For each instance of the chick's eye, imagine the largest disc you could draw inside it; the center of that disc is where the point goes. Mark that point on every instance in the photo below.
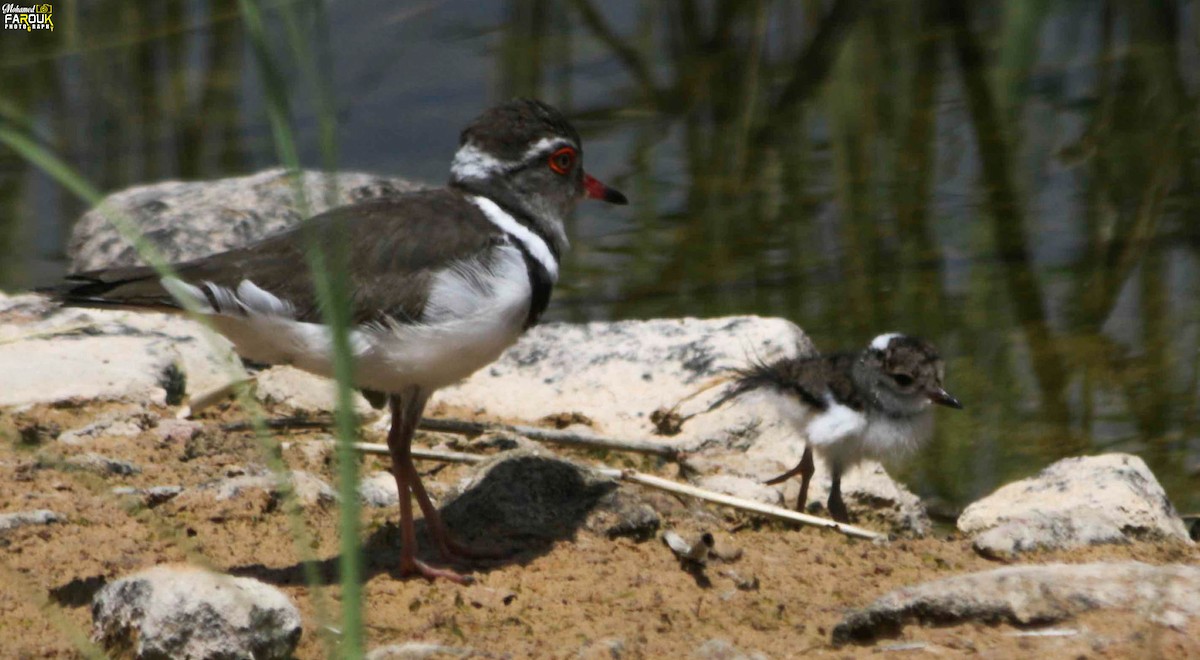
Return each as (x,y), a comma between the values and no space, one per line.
(562,160)
(903,380)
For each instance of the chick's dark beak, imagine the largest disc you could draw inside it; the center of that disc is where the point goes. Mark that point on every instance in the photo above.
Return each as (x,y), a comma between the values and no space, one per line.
(593,189)
(943,398)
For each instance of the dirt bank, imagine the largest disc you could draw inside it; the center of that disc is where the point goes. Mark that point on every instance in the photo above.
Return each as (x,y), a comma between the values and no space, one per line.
(590,597)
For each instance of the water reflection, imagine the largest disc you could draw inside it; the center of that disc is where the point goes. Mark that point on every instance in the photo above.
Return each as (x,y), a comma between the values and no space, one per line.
(1013,180)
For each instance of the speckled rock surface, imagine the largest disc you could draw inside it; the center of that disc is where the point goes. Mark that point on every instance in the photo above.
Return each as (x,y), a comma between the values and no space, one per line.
(185,612)
(48,354)
(1168,595)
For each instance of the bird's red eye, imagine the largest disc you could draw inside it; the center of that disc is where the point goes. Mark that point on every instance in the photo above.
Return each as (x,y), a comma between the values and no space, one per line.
(562,160)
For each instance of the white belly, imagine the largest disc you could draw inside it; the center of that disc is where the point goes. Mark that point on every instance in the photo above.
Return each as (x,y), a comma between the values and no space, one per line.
(845,437)
(472,315)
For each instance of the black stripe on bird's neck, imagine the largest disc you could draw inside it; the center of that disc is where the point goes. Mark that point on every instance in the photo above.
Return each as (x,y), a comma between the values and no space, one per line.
(540,283)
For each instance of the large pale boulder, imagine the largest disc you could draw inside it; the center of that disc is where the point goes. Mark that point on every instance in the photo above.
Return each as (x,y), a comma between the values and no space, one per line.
(188,613)
(618,373)
(1113,498)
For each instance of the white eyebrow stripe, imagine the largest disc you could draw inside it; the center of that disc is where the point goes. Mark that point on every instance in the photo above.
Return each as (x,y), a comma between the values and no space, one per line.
(881,342)
(532,242)
(471,162)
(545,145)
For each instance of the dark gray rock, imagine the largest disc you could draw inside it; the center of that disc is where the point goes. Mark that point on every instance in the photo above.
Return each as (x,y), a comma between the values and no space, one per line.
(1032,595)
(1113,498)
(529,499)
(185,612)
(185,220)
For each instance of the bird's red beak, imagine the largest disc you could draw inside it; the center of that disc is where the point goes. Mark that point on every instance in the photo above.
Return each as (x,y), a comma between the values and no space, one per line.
(593,189)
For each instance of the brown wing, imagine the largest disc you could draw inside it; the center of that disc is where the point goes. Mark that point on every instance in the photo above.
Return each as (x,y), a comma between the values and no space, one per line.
(388,249)
(810,379)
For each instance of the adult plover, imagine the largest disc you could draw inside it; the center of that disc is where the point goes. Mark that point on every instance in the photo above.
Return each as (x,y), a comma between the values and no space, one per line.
(440,281)
(852,406)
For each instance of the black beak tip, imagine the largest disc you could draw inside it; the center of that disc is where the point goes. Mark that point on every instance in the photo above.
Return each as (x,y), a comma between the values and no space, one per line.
(943,398)
(615,197)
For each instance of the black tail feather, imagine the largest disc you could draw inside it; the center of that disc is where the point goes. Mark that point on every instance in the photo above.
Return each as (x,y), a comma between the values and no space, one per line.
(112,288)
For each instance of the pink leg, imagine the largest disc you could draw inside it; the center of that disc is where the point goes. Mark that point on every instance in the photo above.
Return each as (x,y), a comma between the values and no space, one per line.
(433,520)
(805,469)
(406,412)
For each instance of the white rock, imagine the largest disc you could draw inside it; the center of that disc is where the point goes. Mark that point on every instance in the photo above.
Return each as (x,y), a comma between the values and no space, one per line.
(1023,595)
(618,373)
(22,518)
(1112,498)
(185,612)
(379,489)
(50,355)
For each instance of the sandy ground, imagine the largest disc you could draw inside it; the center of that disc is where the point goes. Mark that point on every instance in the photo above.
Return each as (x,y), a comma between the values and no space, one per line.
(589,597)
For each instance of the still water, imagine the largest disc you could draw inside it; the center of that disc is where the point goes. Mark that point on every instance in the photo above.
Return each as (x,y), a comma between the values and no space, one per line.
(1017,182)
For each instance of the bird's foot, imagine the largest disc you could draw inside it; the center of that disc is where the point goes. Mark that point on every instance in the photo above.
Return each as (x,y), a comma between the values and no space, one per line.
(837,511)
(410,567)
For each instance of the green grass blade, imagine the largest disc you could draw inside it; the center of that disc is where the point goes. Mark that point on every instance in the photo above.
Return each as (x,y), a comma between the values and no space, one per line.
(328,265)
(67,177)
